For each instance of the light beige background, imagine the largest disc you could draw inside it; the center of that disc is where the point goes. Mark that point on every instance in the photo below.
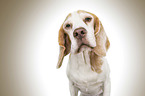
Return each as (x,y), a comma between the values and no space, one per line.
(29,48)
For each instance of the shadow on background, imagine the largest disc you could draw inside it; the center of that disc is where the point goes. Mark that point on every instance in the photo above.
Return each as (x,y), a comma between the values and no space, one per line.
(29,47)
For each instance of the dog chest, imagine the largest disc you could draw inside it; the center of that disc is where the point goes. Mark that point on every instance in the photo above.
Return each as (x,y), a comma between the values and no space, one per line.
(79,68)
(80,73)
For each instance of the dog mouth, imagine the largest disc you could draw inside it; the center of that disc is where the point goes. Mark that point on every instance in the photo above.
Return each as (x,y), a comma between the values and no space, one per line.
(83,45)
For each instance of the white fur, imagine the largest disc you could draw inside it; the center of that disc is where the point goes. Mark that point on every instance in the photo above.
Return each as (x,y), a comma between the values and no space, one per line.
(82,77)
(79,72)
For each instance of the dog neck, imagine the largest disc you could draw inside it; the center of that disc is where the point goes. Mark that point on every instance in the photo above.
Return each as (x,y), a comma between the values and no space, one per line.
(88,59)
(82,58)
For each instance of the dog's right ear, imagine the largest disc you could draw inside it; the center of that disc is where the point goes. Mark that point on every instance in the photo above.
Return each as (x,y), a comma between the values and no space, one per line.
(65,45)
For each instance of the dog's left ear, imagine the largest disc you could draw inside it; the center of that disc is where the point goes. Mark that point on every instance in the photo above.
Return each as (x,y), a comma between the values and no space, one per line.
(65,45)
(102,45)
(102,42)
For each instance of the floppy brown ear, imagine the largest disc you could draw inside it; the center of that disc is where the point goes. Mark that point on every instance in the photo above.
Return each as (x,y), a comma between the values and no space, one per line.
(65,46)
(102,45)
(102,42)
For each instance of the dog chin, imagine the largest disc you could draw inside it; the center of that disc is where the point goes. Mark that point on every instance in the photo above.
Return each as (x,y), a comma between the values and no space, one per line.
(84,47)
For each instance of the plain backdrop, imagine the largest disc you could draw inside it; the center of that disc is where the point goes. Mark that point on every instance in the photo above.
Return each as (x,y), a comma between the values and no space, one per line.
(29,46)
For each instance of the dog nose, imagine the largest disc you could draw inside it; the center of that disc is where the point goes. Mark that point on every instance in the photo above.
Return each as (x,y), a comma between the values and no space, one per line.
(80,33)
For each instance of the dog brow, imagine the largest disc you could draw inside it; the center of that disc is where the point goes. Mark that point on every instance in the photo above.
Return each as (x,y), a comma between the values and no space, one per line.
(69,15)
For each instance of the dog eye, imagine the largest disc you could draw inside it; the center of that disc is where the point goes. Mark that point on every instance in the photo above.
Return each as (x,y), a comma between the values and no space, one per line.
(68,26)
(88,19)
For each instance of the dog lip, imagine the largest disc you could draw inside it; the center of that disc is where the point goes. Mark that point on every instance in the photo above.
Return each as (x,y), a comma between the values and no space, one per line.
(83,44)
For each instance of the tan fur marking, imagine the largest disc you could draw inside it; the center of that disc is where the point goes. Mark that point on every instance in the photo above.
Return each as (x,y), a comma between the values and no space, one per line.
(107,44)
(69,15)
(96,62)
(65,45)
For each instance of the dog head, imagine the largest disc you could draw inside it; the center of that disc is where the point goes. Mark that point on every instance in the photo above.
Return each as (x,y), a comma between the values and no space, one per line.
(81,31)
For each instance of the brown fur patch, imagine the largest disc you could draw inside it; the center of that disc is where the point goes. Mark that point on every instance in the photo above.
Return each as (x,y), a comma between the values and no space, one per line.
(96,62)
(65,45)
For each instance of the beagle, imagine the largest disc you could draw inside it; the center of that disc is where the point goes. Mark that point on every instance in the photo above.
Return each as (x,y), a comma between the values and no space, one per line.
(83,36)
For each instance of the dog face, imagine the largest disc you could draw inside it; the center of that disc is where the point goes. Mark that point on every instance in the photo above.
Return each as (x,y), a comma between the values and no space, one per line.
(81,31)
(80,28)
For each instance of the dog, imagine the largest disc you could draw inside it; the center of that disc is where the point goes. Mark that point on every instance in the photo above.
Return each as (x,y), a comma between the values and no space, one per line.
(83,36)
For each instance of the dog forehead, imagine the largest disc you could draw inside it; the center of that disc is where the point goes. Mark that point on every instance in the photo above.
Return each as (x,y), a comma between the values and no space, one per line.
(73,16)
(78,15)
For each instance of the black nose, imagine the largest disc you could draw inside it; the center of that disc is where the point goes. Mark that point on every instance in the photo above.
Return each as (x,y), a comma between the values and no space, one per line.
(80,33)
